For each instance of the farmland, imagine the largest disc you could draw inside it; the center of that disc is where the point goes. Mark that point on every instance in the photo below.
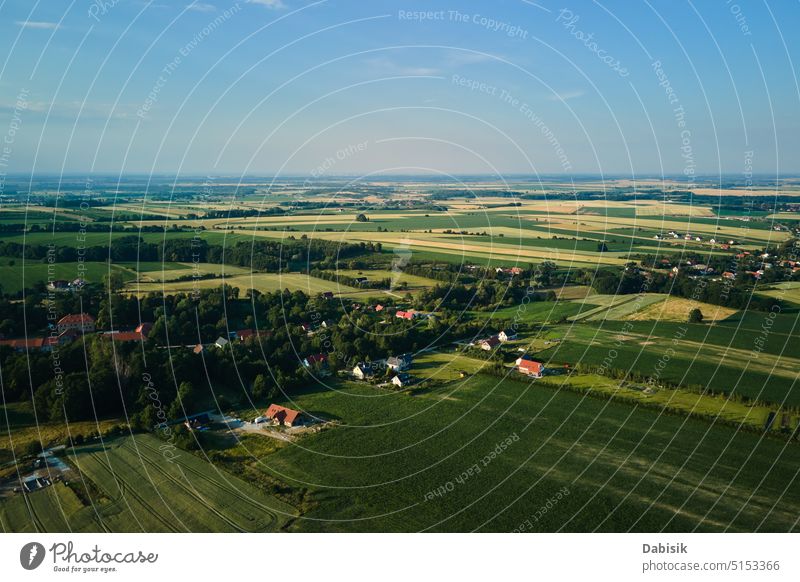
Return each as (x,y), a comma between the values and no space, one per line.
(642,420)
(131,487)
(625,468)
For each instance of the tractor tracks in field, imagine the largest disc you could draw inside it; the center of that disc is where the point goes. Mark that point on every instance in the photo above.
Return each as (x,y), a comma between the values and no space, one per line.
(232,492)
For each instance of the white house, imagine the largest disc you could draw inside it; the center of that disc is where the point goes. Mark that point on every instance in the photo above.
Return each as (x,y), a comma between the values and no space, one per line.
(507,335)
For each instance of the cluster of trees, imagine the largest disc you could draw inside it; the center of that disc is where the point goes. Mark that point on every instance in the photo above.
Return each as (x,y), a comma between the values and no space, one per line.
(486,294)
(737,294)
(146,381)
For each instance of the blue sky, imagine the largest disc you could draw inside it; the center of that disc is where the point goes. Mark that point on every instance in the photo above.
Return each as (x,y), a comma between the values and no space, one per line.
(353,87)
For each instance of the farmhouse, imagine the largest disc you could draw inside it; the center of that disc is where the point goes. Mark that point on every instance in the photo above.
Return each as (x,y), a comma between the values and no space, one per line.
(82,322)
(402,380)
(365,370)
(530,367)
(281,415)
(507,335)
(399,363)
(489,344)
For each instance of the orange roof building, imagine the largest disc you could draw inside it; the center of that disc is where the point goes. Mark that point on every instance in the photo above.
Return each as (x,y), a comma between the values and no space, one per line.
(282,415)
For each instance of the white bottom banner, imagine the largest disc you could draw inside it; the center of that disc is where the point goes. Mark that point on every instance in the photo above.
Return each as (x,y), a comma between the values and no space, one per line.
(356,557)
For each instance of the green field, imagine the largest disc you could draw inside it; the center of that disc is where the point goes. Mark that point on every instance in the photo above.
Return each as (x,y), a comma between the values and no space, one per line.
(133,488)
(704,357)
(626,467)
(261,281)
(25,274)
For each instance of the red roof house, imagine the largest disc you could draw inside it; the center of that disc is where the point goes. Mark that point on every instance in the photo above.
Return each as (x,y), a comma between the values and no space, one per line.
(82,322)
(283,415)
(530,367)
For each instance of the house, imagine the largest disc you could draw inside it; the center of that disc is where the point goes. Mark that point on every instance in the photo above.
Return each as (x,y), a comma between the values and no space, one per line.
(23,344)
(365,370)
(530,367)
(281,415)
(361,280)
(399,363)
(221,342)
(122,336)
(489,344)
(406,314)
(198,349)
(315,360)
(379,307)
(139,334)
(402,380)
(82,322)
(728,275)
(327,295)
(507,335)
(306,327)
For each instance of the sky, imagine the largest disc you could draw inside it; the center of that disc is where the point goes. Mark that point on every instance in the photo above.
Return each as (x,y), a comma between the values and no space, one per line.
(371,88)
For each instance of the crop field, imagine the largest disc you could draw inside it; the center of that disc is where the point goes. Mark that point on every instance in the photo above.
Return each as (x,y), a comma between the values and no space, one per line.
(625,467)
(538,311)
(703,357)
(682,401)
(134,488)
(788,291)
(260,281)
(397,278)
(446,366)
(153,273)
(21,274)
(678,308)
(628,309)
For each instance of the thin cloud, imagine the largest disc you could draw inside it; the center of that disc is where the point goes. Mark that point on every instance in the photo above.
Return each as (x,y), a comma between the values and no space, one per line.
(391,68)
(201,7)
(38,25)
(273,4)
